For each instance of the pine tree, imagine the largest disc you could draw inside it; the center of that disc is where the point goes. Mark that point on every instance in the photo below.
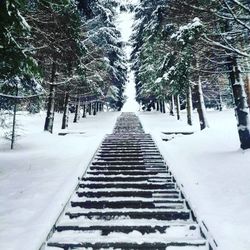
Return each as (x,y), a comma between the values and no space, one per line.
(107,68)
(59,48)
(18,69)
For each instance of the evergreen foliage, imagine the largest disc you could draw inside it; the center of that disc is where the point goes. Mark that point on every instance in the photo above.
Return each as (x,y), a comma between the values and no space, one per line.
(193,41)
(109,56)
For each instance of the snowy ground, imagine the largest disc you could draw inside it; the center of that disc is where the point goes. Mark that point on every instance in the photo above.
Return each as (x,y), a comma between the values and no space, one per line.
(214,173)
(38,177)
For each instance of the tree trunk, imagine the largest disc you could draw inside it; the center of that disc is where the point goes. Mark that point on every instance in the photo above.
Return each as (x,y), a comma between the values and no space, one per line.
(49,121)
(50,109)
(84,110)
(97,107)
(220,101)
(13,134)
(65,120)
(100,107)
(77,111)
(172,105)
(94,108)
(163,107)
(153,105)
(157,106)
(240,99)
(201,109)
(90,108)
(189,106)
(178,107)
(248,85)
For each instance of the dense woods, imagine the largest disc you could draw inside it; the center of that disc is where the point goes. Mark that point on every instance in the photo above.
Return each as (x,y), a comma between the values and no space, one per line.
(67,54)
(60,54)
(194,53)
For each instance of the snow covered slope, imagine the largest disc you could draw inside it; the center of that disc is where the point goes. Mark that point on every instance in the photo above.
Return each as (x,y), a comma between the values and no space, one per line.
(213,170)
(37,178)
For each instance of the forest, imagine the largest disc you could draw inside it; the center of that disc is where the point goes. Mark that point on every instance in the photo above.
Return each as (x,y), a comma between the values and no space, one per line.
(124,124)
(68,55)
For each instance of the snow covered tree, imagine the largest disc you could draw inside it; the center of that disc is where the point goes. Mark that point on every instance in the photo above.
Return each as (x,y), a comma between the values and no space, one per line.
(18,69)
(58,46)
(107,68)
(225,39)
(15,55)
(193,56)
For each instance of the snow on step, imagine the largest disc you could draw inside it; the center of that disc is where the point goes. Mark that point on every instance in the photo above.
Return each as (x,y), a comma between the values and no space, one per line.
(123,220)
(172,236)
(124,193)
(132,198)
(127,200)
(124,174)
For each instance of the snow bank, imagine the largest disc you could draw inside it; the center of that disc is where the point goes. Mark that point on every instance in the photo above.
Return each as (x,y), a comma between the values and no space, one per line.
(38,177)
(213,170)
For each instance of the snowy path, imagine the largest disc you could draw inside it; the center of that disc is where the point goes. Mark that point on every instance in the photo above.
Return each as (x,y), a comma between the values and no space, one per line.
(127,200)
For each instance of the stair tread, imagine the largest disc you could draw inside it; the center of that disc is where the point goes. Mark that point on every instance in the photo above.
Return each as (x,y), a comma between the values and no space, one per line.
(153,191)
(124,221)
(81,239)
(127,210)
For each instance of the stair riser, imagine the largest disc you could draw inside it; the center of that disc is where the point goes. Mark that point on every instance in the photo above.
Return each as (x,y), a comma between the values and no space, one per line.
(167,216)
(126,185)
(120,168)
(125,179)
(124,195)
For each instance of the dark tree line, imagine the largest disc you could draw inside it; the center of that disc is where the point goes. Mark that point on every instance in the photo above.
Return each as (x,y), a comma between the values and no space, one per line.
(182,47)
(60,53)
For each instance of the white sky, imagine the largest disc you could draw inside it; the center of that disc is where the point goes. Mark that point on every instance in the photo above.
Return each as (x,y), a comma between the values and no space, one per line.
(124,23)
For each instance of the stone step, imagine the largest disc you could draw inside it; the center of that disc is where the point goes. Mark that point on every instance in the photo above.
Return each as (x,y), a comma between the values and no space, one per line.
(126,179)
(111,214)
(185,230)
(128,203)
(124,194)
(124,221)
(128,141)
(166,245)
(128,157)
(128,145)
(143,186)
(125,141)
(149,173)
(144,146)
(129,135)
(116,189)
(128,168)
(127,162)
(132,198)
(127,151)
(107,154)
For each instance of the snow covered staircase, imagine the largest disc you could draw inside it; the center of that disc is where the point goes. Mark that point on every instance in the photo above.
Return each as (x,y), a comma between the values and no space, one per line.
(127,200)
